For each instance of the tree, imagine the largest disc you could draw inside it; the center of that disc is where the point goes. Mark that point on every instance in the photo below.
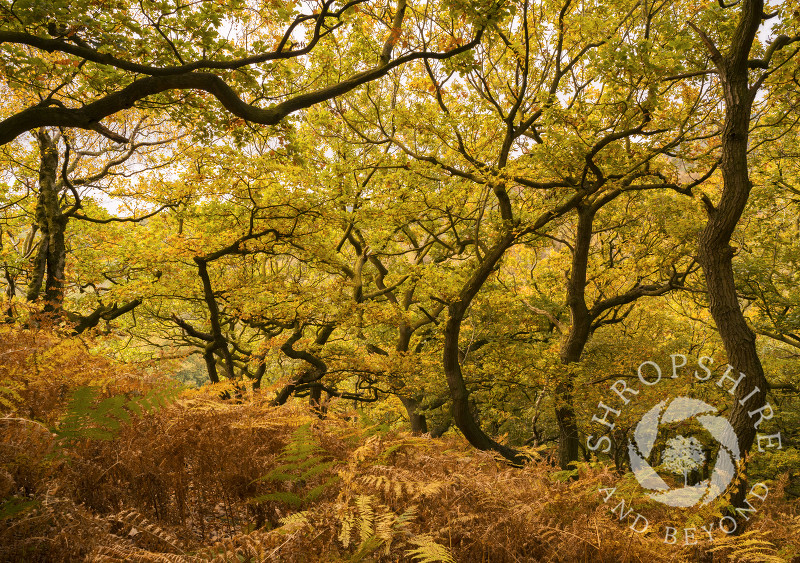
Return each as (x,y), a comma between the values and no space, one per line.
(533,126)
(767,269)
(611,302)
(491,186)
(361,288)
(127,55)
(70,170)
(683,455)
(715,254)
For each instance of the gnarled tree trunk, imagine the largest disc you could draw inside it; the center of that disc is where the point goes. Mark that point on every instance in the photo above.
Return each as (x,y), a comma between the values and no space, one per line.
(462,412)
(715,253)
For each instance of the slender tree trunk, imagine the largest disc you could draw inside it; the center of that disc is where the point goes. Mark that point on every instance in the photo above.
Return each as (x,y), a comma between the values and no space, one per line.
(575,340)
(48,265)
(11,292)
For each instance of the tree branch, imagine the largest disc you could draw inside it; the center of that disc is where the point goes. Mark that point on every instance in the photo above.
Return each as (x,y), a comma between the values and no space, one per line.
(88,116)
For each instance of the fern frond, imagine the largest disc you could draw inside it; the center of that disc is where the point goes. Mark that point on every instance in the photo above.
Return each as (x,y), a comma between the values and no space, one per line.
(136,524)
(246,548)
(366,517)
(296,519)
(399,484)
(14,506)
(750,547)
(428,551)
(302,460)
(9,398)
(317,491)
(130,554)
(347,528)
(89,417)
(385,529)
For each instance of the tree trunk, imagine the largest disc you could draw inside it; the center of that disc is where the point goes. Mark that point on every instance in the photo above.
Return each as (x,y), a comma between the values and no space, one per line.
(11,292)
(48,265)
(211,362)
(220,342)
(419,424)
(462,413)
(312,375)
(576,339)
(715,253)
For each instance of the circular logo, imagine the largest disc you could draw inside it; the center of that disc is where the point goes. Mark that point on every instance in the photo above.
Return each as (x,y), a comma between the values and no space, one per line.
(682,454)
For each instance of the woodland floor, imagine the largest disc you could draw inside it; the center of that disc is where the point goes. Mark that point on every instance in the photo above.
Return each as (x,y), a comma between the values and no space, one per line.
(189,477)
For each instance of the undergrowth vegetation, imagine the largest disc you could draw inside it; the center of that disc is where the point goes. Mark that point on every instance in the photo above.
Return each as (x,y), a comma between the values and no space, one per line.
(101,463)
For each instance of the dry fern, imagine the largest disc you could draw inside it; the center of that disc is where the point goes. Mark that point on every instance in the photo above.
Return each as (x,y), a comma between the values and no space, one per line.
(119,553)
(369,526)
(195,466)
(750,547)
(135,526)
(428,551)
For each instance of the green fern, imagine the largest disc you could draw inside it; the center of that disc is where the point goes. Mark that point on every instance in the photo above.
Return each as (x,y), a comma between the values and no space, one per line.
(88,418)
(13,506)
(301,461)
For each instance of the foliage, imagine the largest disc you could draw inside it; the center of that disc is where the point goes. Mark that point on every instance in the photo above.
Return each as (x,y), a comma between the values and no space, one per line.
(178,483)
(364,230)
(86,417)
(301,462)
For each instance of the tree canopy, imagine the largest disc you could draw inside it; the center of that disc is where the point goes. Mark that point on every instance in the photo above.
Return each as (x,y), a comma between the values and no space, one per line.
(458,217)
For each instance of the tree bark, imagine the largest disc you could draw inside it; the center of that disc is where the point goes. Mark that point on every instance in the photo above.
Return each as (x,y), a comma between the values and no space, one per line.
(576,339)
(715,253)
(48,266)
(459,394)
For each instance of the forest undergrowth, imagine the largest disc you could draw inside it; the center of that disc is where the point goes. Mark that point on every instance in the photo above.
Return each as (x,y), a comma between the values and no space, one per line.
(101,462)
